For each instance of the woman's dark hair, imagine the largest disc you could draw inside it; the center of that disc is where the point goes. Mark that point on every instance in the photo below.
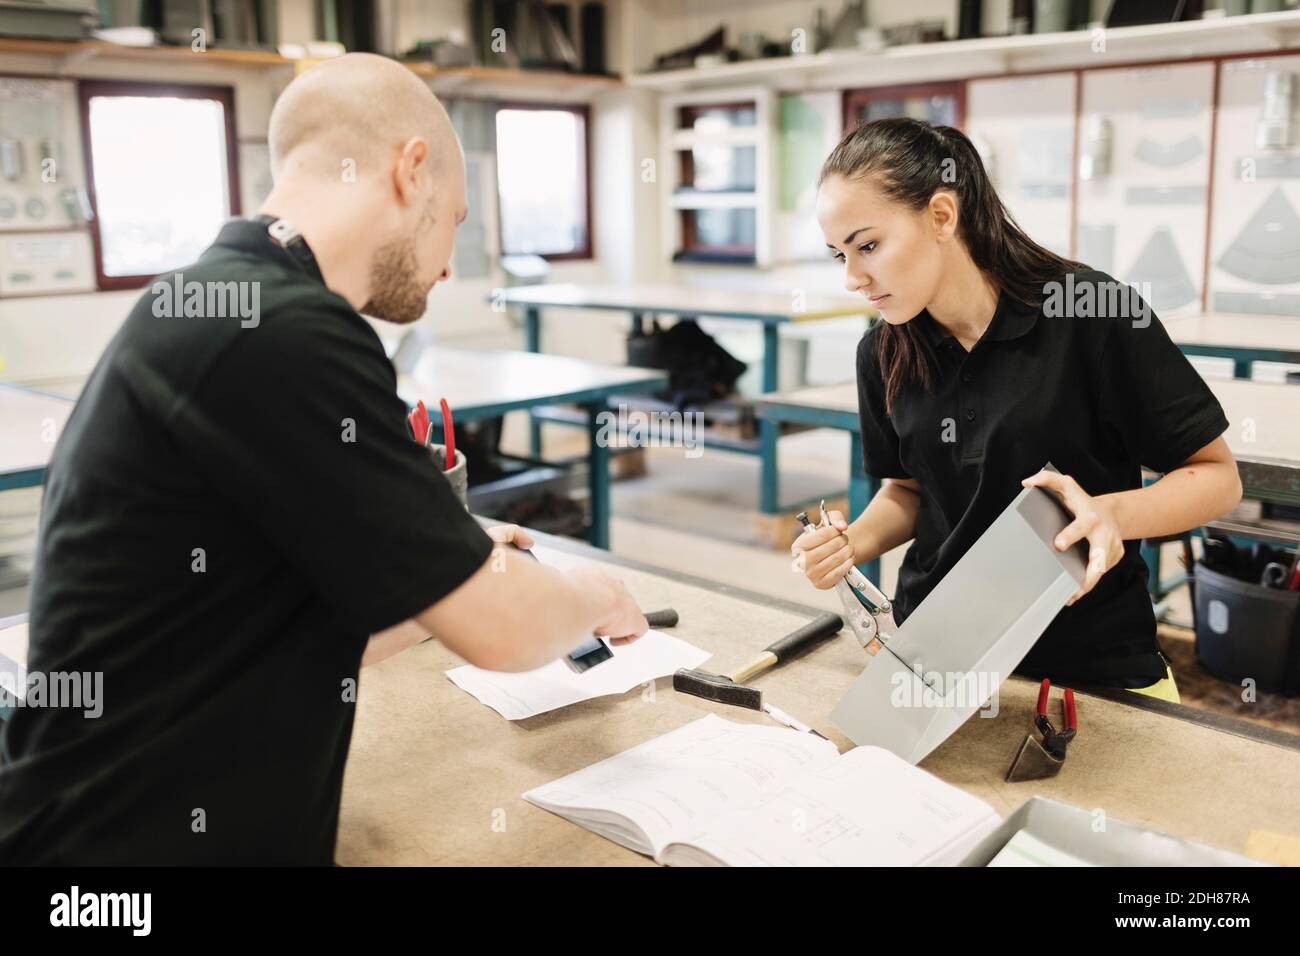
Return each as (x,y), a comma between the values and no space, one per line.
(908,160)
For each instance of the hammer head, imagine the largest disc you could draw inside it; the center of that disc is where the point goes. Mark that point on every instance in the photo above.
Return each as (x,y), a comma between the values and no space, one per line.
(718,688)
(1033,762)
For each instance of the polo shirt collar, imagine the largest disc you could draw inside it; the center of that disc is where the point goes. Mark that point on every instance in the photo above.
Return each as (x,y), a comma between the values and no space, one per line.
(1011,319)
(250,235)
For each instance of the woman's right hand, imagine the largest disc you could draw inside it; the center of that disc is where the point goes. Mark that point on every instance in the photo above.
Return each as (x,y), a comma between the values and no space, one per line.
(824,554)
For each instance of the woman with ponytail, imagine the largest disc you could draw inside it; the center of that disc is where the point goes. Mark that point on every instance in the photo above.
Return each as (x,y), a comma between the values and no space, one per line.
(993,356)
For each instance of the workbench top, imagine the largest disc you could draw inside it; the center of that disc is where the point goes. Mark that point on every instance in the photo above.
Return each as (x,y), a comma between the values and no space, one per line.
(1235,330)
(677,299)
(29,424)
(1264,417)
(479,383)
(435,777)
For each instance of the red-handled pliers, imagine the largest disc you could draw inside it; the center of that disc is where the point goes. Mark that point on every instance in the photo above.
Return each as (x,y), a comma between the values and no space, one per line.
(418,419)
(1054,741)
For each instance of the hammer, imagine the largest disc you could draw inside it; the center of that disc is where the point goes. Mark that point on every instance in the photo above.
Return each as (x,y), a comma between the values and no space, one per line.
(731,689)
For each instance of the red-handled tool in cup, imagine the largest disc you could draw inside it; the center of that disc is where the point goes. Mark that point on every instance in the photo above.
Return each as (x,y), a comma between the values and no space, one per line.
(448,437)
(418,419)
(422,430)
(1035,760)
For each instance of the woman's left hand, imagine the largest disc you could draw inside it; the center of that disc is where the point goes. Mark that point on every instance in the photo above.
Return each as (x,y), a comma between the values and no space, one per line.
(1093,519)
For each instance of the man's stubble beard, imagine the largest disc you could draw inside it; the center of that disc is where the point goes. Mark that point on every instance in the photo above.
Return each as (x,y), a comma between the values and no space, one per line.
(395,291)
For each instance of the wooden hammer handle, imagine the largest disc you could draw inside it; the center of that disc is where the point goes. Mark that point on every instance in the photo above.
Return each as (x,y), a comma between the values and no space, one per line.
(793,644)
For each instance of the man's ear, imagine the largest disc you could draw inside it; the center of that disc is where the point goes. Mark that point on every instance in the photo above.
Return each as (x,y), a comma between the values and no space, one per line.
(943,212)
(410,167)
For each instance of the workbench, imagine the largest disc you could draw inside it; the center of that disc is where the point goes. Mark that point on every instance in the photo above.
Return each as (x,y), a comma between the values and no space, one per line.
(1263,433)
(482,384)
(770,310)
(1243,338)
(30,421)
(435,778)
(476,383)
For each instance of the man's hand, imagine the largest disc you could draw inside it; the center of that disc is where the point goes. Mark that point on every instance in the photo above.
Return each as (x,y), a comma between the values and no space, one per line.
(624,622)
(515,614)
(511,534)
(1093,519)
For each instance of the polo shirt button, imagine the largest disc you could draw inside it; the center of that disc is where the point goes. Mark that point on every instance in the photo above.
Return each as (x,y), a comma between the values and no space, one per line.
(970,414)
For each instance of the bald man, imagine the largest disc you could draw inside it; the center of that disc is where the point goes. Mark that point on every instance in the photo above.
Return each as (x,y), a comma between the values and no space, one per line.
(235,519)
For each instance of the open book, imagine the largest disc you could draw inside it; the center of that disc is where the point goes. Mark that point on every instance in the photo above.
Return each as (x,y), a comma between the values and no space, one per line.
(717,793)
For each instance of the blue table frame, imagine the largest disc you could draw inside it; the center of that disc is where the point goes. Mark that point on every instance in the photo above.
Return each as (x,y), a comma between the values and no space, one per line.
(862,487)
(1243,358)
(466,378)
(771,310)
(1274,480)
(1218,335)
(476,366)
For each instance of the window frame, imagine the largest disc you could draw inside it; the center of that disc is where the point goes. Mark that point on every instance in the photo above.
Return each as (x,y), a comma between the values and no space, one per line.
(88,90)
(691,250)
(856,97)
(583,110)
(686,161)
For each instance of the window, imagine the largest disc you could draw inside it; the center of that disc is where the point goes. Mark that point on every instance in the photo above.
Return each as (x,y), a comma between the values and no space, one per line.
(943,104)
(542,188)
(717,193)
(162,175)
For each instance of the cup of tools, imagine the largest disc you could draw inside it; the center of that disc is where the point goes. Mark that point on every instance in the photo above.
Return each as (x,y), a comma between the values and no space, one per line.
(457,475)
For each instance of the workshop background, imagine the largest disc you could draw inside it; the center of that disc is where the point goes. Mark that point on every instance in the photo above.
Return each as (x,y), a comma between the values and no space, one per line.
(645,143)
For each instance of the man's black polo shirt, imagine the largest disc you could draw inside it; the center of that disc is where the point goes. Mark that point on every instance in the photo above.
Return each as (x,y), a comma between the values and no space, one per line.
(233,507)
(1098,396)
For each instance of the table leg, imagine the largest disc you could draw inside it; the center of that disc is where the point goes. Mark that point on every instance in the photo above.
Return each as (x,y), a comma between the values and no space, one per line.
(771,357)
(1151,558)
(597,477)
(533,343)
(769,487)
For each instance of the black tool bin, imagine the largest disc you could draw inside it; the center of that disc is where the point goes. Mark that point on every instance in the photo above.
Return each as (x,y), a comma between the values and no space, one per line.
(1245,630)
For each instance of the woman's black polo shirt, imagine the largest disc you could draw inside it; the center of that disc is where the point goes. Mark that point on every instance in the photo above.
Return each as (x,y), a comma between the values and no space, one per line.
(1099,396)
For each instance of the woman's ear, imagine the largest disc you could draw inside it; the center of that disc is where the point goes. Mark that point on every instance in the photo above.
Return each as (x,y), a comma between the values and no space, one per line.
(942,214)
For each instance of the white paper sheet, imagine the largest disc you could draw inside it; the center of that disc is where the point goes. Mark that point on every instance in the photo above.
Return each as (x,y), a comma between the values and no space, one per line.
(516,696)
(1025,849)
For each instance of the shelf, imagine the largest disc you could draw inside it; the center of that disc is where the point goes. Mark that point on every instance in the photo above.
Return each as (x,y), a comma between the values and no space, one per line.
(82,50)
(954,59)
(472,81)
(737,199)
(487,82)
(684,139)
